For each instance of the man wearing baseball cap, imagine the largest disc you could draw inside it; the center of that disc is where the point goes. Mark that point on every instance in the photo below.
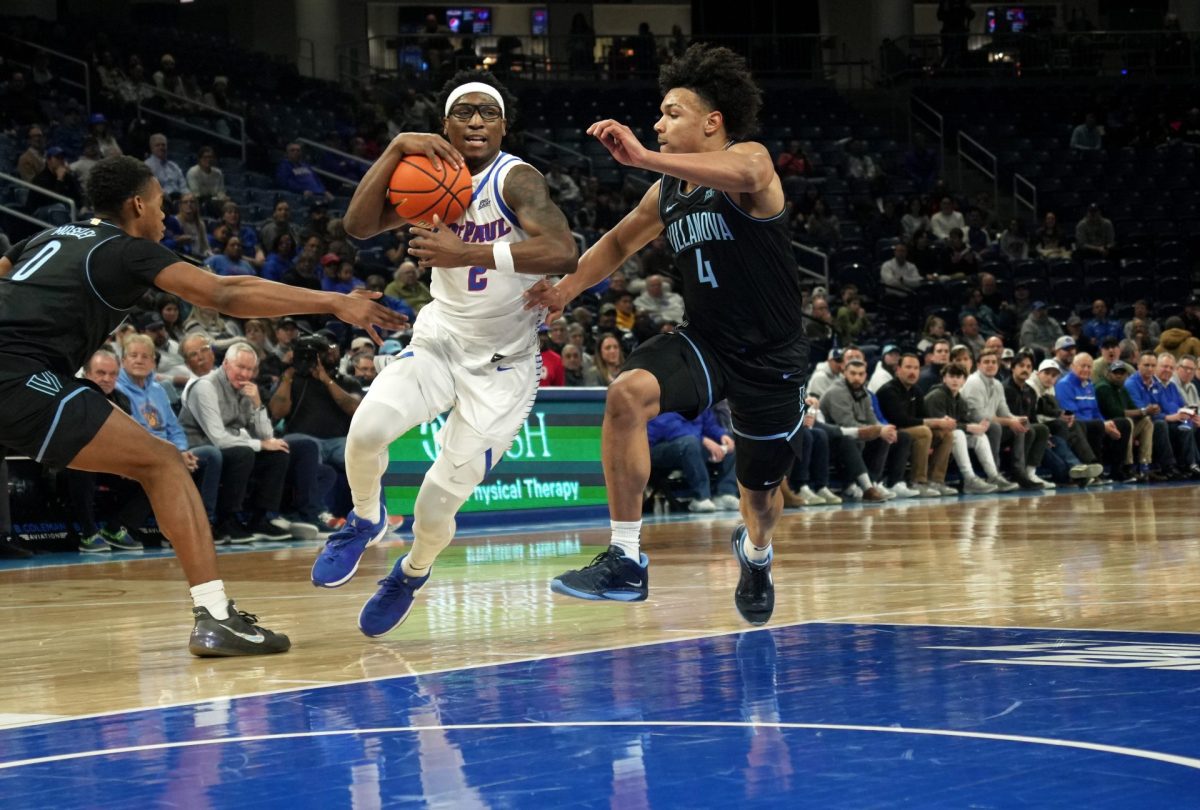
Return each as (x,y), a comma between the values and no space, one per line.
(1070,456)
(1039,331)
(1152,438)
(885,369)
(57,178)
(1064,353)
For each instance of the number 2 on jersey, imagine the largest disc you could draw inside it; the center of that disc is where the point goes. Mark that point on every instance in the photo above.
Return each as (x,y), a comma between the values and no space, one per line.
(37,260)
(704,270)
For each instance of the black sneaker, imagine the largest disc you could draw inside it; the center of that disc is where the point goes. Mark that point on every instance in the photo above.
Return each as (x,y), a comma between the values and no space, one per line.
(611,575)
(232,532)
(237,635)
(755,594)
(265,529)
(12,549)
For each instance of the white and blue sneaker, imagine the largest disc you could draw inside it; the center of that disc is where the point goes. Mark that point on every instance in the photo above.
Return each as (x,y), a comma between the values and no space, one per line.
(339,560)
(391,604)
(755,593)
(611,575)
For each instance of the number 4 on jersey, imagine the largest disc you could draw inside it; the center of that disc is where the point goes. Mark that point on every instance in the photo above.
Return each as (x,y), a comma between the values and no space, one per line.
(704,270)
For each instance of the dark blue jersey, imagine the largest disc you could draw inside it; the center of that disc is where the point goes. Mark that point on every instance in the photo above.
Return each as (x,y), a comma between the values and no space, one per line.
(69,288)
(741,285)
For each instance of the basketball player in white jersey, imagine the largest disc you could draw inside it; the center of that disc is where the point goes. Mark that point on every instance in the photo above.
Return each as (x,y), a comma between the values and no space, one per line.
(474,349)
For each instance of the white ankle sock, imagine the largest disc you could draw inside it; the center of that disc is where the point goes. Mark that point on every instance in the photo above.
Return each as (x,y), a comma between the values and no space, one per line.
(753,553)
(864,481)
(211,595)
(626,535)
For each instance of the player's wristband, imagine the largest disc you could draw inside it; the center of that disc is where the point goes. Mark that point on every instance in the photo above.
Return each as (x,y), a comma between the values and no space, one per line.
(502,253)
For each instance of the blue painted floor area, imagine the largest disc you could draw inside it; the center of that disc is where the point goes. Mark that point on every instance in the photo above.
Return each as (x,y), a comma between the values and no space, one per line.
(816,715)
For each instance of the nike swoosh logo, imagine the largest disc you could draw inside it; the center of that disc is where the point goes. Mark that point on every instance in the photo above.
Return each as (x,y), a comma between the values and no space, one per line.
(637,584)
(504,368)
(771,483)
(671,207)
(257,638)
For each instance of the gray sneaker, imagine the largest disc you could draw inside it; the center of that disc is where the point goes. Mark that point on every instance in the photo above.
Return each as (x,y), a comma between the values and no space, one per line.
(977,486)
(1003,484)
(829,496)
(944,488)
(237,635)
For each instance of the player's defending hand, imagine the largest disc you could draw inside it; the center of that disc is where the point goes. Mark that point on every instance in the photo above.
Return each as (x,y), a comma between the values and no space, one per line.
(434,147)
(358,309)
(620,141)
(437,246)
(547,295)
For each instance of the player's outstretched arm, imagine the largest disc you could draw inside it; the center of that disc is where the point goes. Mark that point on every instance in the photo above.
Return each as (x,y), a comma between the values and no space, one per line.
(631,234)
(250,297)
(549,250)
(744,168)
(369,213)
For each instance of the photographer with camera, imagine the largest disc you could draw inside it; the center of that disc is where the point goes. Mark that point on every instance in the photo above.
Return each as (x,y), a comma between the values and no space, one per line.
(316,402)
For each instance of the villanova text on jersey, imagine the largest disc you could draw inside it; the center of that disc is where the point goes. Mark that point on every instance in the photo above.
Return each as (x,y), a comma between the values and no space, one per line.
(697,227)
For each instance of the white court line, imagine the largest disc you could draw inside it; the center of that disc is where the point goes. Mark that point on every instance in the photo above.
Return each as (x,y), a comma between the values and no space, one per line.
(1156,756)
(9,719)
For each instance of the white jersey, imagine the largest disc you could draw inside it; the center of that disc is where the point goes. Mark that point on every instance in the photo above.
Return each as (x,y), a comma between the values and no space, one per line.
(484,306)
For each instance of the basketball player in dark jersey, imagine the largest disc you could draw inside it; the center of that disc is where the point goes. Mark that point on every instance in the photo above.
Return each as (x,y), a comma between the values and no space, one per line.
(721,206)
(62,292)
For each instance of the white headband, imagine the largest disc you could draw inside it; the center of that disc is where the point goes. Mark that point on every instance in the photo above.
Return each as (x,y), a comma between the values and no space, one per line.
(474,87)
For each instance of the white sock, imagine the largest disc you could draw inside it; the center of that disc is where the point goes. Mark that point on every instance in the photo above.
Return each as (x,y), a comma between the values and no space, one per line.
(753,553)
(211,595)
(626,535)
(864,481)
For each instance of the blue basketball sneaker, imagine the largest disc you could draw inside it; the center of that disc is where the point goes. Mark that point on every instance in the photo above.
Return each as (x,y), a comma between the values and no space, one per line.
(611,575)
(390,605)
(755,593)
(339,560)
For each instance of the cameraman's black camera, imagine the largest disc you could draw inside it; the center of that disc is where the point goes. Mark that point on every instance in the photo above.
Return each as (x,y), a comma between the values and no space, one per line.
(307,352)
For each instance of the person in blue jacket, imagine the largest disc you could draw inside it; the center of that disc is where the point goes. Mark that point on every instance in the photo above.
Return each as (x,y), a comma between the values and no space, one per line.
(693,446)
(1109,438)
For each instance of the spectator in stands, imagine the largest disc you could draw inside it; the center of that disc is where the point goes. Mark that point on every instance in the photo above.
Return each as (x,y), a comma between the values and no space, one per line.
(984,315)
(230,262)
(169,175)
(1074,329)
(1108,438)
(1141,312)
(1050,240)
(297,176)
(82,167)
(1094,235)
(220,331)
(820,326)
(1149,434)
(134,507)
(958,259)
(281,259)
(1181,420)
(150,406)
(1175,339)
(1088,136)
(933,331)
(166,77)
(969,335)
(1022,403)
(408,288)
(826,374)
(552,371)
(885,368)
(1064,353)
(1185,375)
(610,356)
(945,400)
(914,220)
(33,159)
(98,129)
(576,372)
(1040,331)
(852,320)
(658,300)
(875,449)
(1101,326)
(252,250)
(56,177)
(224,409)
(946,220)
(192,238)
(794,168)
(280,222)
(168,308)
(1014,243)
(625,313)
(562,184)
(976,234)
(899,274)
(903,405)
(1110,351)
(700,448)
(937,355)
(170,366)
(985,396)
(204,179)
(1068,439)
(823,227)
(962,355)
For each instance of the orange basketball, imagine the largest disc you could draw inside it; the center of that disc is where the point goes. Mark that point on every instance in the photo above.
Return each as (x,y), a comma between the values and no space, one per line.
(418,191)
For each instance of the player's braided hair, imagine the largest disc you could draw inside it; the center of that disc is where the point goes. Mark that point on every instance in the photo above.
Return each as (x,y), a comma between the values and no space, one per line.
(114,180)
(464,76)
(721,78)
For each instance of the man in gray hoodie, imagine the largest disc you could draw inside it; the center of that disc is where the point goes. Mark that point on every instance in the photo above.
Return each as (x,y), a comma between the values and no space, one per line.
(847,404)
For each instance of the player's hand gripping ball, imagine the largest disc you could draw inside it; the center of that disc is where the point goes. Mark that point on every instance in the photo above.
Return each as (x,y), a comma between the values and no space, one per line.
(418,191)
